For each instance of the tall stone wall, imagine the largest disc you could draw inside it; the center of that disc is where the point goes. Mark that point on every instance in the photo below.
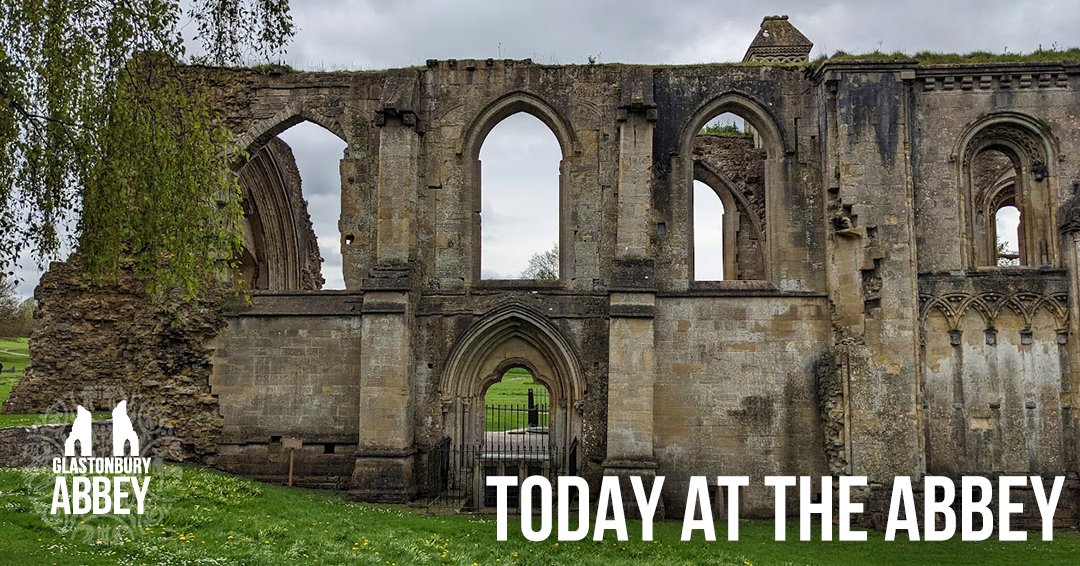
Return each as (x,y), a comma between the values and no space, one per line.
(736,392)
(995,360)
(869,335)
(287,366)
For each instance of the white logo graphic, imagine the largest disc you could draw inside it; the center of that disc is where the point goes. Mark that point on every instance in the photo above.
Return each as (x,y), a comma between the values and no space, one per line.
(101,486)
(110,497)
(122,432)
(81,432)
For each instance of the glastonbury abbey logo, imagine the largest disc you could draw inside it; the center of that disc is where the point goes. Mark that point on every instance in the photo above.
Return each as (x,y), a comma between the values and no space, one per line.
(106,479)
(99,486)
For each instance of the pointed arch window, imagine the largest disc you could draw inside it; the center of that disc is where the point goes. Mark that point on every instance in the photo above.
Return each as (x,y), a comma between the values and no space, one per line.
(727,201)
(1010,197)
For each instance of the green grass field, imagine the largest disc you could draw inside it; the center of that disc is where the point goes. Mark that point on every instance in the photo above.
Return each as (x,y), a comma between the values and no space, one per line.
(14,355)
(513,390)
(213,518)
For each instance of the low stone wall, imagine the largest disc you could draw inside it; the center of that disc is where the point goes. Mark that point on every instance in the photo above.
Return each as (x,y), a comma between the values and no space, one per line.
(36,446)
(323,465)
(31,446)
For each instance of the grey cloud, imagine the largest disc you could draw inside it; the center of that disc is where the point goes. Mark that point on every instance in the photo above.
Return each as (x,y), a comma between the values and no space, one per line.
(318,156)
(520,195)
(381,34)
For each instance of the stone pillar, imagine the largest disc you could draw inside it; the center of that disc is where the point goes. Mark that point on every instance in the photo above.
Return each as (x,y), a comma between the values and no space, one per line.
(636,117)
(872,270)
(356,226)
(631,378)
(386,453)
(399,150)
(1069,225)
(631,333)
(631,374)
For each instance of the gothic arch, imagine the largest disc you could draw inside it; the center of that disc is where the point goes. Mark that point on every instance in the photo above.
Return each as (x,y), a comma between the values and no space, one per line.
(261,132)
(1032,189)
(990,305)
(736,209)
(773,142)
(747,108)
(508,105)
(280,248)
(1025,134)
(469,151)
(513,336)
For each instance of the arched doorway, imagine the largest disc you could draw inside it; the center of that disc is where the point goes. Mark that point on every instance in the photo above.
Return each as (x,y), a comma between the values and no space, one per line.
(494,435)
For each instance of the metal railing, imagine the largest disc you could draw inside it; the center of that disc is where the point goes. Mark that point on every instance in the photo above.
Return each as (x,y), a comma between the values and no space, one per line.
(457,476)
(515,442)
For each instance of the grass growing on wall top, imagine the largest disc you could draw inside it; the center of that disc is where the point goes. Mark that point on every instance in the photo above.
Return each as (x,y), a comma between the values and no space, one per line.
(932,58)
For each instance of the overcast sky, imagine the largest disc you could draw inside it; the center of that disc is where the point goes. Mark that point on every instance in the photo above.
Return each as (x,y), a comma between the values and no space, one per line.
(380,34)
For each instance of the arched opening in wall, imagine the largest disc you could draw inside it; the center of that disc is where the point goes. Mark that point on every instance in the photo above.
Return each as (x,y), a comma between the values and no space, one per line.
(516,404)
(1007,235)
(709,256)
(994,181)
(727,202)
(1010,196)
(490,423)
(516,420)
(729,125)
(520,166)
(516,423)
(318,160)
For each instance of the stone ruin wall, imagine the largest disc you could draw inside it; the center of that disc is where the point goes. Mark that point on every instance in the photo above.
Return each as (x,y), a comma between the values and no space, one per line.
(866,342)
(97,343)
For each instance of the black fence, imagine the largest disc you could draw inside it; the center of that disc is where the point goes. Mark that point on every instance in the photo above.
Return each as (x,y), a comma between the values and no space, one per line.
(516,441)
(457,476)
(517,419)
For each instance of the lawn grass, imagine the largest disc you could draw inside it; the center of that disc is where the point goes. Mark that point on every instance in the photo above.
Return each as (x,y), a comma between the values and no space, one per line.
(14,355)
(513,390)
(214,518)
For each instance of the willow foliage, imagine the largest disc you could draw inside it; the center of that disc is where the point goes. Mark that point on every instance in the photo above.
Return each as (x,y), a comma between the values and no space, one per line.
(106,138)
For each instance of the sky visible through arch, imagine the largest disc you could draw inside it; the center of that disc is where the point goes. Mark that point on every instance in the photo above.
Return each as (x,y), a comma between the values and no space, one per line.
(365,35)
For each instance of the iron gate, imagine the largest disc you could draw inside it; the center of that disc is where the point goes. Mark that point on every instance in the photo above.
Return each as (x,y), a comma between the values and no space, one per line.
(515,443)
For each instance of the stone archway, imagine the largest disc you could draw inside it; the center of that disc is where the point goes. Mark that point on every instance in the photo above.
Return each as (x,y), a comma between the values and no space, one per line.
(512,337)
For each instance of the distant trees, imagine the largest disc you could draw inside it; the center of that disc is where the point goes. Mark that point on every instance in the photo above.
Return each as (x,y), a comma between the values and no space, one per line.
(730,130)
(543,266)
(1006,257)
(16,316)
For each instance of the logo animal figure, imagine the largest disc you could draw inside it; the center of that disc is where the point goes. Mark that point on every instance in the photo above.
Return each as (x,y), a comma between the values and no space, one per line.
(122,431)
(82,433)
